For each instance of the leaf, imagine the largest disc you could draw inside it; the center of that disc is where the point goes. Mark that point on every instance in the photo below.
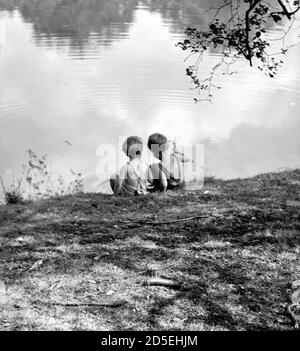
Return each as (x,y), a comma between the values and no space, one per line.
(276,17)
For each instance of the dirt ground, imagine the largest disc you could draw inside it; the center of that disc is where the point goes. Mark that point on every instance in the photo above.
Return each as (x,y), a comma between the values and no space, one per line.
(83,262)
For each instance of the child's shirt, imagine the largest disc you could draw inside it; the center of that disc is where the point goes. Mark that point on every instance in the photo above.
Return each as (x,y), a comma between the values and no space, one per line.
(135,177)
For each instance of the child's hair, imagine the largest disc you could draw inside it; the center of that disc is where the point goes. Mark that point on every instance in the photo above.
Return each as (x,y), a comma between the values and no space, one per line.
(156,139)
(133,146)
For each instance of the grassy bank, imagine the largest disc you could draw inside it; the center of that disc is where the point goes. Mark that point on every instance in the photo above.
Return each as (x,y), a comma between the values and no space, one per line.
(83,262)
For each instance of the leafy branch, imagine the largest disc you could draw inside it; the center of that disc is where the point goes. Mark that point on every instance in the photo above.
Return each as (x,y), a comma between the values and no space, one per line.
(243,34)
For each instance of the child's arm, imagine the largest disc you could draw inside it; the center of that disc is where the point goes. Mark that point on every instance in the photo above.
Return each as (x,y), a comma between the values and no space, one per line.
(150,175)
(119,183)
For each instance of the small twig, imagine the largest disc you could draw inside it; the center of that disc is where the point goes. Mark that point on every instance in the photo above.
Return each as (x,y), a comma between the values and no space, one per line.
(218,9)
(141,222)
(77,304)
(54,285)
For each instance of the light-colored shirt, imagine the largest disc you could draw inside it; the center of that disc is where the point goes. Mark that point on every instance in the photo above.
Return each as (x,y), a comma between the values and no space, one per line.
(135,177)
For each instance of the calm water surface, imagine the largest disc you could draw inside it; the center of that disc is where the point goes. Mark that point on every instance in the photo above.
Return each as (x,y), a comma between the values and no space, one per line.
(91,71)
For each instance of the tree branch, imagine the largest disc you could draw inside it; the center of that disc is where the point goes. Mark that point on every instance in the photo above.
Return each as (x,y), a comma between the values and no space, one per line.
(243,30)
(251,8)
(285,10)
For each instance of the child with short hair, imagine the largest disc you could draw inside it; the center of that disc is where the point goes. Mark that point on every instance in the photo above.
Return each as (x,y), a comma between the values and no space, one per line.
(168,173)
(135,175)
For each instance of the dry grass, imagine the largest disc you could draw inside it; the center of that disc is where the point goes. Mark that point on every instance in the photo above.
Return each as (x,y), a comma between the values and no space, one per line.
(235,265)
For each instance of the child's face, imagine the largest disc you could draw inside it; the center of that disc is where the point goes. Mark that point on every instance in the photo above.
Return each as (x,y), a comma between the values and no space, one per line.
(165,147)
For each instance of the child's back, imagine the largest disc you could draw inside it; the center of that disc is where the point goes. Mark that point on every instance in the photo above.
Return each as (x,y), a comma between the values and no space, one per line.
(137,176)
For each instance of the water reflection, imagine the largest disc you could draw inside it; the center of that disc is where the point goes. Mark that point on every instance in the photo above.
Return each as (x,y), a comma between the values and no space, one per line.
(75,22)
(78,19)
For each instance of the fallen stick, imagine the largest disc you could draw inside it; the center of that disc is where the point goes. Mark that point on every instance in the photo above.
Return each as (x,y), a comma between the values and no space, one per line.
(163,282)
(34,266)
(77,304)
(141,222)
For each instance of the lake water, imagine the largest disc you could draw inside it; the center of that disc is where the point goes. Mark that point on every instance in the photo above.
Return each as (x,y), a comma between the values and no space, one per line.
(87,72)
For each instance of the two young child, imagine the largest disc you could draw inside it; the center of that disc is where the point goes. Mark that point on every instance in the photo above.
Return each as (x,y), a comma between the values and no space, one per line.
(138,178)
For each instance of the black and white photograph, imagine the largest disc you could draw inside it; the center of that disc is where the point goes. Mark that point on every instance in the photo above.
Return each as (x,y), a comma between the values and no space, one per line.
(150,168)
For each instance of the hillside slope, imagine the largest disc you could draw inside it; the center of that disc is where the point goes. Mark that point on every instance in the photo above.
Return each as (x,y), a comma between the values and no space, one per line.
(82,262)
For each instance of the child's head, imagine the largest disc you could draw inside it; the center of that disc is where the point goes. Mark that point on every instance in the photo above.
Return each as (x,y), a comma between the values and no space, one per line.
(133,147)
(158,143)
